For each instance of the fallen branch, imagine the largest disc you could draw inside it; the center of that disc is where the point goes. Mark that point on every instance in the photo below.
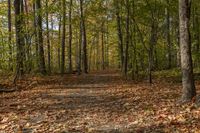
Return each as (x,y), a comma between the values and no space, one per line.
(4,89)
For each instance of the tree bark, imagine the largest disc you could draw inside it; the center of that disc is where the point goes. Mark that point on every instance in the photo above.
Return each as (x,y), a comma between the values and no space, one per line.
(151,49)
(28,39)
(77,50)
(120,35)
(127,38)
(48,39)
(84,39)
(19,39)
(35,37)
(102,47)
(63,37)
(42,68)
(80,51)
(188,90)
(178,55)
(59,38)
(97,51)
(10,35)
(169,55)
(70,37)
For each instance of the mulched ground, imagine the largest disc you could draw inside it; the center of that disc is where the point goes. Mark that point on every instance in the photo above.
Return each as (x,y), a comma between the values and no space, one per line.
(98,102)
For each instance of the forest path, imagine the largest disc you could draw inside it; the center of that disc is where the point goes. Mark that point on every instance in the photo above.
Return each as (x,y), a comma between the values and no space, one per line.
(97,102)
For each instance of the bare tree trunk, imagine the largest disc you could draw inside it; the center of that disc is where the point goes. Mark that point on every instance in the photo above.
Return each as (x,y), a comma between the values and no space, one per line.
(169,55)
(48,39)
(22,35)
(27,38)
(52,59)
(80,51)
(35,37)
(188,91)
(97,52)
(59,40)
(102,47)
(150,59)
(70,37)
(120,35)
(10,35)
(107,38)
(151,49)
(84,39)
(42,68)
(178,55)
(127,38)
(90,57)
(19,39)
(77,50)
(107,46)
(63,38)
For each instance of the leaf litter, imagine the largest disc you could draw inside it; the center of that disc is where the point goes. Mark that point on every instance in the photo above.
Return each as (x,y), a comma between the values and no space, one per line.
(97,102)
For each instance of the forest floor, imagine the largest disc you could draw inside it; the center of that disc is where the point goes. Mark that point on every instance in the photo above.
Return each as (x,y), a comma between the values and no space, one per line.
(97,102)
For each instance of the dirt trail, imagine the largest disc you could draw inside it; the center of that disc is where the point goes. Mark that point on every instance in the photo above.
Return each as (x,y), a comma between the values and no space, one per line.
(97,102)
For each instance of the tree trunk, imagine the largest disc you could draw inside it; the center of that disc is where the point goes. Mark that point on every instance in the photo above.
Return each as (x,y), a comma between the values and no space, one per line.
(70,38)
(19,39)
(63,37)
(80,51)
(27,38)
(48,39)
(169,55)
(178,55)
(151,49)
(35,37)
(97,52)
(107,46)
(84,39)
(59,40)
(102,47)
(127,38)
(120,35)
(42,68)
(52,59)
(188,91)
(10,35)
(77,50)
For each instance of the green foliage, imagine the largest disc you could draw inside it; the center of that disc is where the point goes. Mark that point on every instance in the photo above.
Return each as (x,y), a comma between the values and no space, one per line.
(100,17)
